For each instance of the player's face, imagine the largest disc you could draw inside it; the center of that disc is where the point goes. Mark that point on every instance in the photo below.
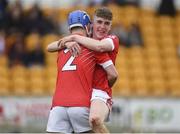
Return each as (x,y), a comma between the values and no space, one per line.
(101,27)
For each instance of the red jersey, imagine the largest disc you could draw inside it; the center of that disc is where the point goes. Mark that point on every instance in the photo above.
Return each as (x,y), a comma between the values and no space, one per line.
(100,80)
(74,78)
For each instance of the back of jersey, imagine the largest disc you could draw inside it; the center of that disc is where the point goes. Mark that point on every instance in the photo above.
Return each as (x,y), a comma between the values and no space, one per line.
(74,79)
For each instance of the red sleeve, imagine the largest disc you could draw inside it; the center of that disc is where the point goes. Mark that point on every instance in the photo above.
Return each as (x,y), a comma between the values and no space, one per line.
(103,59)
(115,40)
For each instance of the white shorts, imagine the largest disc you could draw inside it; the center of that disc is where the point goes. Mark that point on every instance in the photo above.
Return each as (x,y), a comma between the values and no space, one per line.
(68,120)
(98,94)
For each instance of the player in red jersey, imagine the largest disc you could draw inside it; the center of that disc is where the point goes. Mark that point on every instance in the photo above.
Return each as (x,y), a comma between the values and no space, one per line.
(102,42)
(71,101)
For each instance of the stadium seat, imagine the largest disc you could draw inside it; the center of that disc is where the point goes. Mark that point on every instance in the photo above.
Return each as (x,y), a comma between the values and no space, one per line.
(116,12)
(51,84)
(3,60)
(140,87)
(169,52)
(38,86)
(123,87)
(158,87)
(149,31)
(4,72)
(20,86)
(51,72)
(37,77)
(19,71)
(51,59)
(174,86)
(4,86)
(36,72)
(63,13)
(167,41)
(47,39)
(172,72)
(31,41)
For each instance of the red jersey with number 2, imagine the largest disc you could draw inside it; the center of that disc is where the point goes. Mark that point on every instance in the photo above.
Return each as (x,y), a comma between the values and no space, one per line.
(75,76)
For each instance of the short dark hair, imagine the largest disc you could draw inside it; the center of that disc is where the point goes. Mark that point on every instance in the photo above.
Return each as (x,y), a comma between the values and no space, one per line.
(104,13)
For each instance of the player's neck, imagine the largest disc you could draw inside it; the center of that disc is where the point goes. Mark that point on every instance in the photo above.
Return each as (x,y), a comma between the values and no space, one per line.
(79,32)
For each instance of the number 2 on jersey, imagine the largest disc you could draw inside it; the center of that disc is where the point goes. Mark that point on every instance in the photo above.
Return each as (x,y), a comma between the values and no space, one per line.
(68,65)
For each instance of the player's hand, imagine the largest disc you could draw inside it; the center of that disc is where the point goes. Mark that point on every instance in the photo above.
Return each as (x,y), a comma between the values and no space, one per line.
(74,48)
(59,44)
(66,39)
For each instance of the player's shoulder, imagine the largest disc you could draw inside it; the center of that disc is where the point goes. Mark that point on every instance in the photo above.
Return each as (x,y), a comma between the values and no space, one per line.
(112,36)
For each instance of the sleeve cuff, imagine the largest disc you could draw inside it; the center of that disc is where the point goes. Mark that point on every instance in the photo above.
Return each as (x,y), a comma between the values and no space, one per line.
(107,63)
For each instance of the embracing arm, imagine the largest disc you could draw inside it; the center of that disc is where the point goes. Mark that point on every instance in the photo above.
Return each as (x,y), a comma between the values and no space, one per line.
(54,46)
(112,74)
(103,45)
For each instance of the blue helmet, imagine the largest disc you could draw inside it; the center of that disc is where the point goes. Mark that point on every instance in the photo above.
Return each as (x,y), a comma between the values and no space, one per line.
(78,18)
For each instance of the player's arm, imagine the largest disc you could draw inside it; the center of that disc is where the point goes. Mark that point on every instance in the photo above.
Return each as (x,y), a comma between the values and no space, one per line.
(112,74)
(54,46)
(57,46)
(103,45)
(111,71)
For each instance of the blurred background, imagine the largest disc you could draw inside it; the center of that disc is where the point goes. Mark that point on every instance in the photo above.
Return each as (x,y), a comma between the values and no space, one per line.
(146,95)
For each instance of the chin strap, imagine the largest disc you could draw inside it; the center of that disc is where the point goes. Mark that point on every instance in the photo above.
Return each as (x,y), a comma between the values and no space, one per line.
(89,31)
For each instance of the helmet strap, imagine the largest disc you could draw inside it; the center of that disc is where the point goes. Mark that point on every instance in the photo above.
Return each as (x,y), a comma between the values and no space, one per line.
(88,30)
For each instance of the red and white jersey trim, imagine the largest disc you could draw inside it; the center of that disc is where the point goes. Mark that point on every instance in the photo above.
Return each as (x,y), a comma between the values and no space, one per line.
(107,63)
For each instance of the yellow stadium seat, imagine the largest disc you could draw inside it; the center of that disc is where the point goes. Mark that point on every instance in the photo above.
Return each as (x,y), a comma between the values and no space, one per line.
(49,38)
(158,87)
(4,86)
(36,72)
(20,86)
(19,71)
(123,87)
(140,87)
(167,41)
(37,86)
(31,41)
(116,13)
(63,13)
(165,20)
(148,21)
(4,72)
(132,10)
(51,59)
(51,85)
(37,80)
(19,80)
(170,62)
(123,72)
(51,72)
(151,52)
(149,31)
(138,72)
(91,10)
(3,61)
(169,51)
(174,86)
(172,72)
(147,13)
(155,72)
